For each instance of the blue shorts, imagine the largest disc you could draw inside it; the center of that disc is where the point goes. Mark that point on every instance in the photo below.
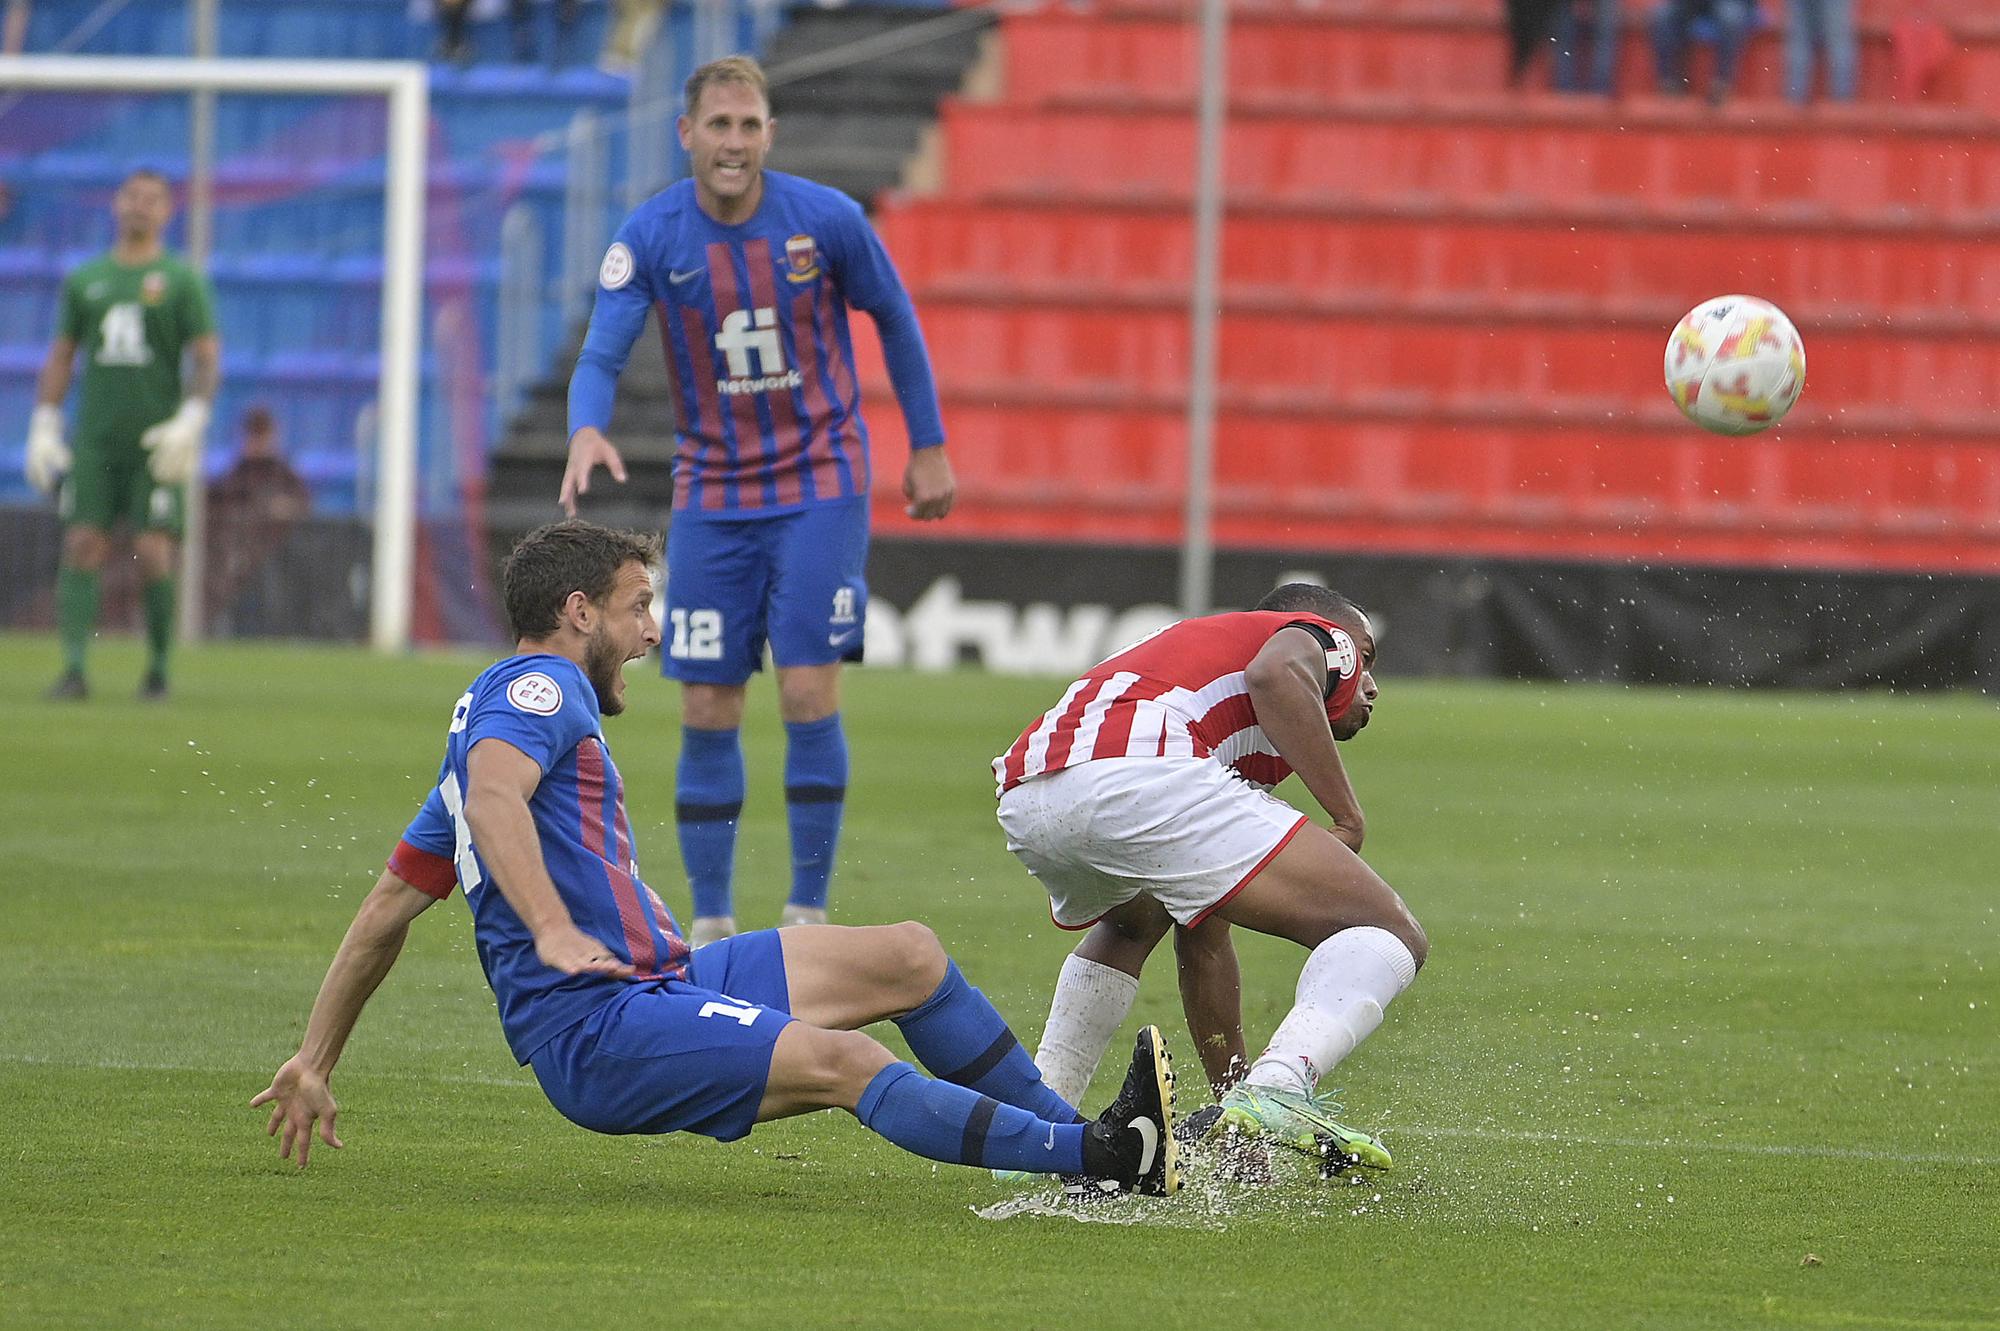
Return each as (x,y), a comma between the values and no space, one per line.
(687,1055)
(795,580)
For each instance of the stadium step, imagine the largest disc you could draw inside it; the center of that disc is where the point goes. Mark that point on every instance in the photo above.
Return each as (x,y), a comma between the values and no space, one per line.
(1557,256)
(1498,486)
(1855,164)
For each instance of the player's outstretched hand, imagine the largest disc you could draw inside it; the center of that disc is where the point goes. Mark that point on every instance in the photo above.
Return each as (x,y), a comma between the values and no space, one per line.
(299,1098)
(574,952)
(928,484)
(588,450)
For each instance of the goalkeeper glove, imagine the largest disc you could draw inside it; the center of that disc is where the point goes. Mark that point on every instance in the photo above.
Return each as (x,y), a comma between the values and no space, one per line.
(48,456)
(175,443)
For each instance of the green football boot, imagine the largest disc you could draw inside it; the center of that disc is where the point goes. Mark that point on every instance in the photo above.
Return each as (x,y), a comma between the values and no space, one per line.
(1305,1123)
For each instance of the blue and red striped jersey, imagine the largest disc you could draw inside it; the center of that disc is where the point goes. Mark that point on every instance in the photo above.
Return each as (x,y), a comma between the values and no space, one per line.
(544,706)
(753,324)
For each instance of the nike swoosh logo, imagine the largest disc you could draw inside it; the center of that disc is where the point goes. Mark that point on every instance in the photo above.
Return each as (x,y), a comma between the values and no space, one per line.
(1050,1144)
(689,276)
(1149,1133)
(839,639)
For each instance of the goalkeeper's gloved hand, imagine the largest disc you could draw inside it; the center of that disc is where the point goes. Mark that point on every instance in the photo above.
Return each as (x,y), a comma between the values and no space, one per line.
(175,443)
(48,455)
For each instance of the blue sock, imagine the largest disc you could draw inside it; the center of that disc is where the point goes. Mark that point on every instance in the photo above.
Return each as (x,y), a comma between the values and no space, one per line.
(815,794)
(958,1035)
(940,1121)
(708,803)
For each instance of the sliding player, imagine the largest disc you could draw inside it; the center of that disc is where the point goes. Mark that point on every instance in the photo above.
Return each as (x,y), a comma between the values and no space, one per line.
(626,1029)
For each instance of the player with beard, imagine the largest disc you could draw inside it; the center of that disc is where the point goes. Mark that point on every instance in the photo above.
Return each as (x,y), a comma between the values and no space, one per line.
(627,1030)
(1142,801)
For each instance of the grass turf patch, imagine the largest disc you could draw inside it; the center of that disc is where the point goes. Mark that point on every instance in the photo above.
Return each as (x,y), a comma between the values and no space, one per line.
(1712,990)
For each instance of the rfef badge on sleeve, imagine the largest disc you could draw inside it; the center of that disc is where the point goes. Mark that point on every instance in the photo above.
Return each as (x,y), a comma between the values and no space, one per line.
(535,693)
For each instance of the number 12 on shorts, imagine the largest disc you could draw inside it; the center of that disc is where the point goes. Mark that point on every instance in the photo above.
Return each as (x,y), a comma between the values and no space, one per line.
(697,635)
(743,1015)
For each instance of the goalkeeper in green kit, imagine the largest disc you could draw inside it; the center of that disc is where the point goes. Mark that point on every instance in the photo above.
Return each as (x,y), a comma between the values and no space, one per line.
(136,444)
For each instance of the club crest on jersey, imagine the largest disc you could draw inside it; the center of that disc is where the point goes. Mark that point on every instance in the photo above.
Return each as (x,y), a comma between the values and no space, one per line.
(802,253)
(1341,658)
(535,693)
(153,287)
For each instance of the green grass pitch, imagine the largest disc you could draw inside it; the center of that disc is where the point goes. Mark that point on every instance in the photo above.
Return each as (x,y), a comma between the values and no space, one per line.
(1712,988)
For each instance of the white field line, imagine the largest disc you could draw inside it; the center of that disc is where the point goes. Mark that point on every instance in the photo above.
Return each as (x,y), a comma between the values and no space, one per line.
(1695,1147)
(1487,1134)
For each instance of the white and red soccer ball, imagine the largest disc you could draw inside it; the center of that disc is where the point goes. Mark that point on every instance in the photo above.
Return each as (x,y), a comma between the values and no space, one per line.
(1735,365)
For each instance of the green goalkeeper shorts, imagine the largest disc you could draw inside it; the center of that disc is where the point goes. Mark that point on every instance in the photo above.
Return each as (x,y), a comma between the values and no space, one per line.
(109,483)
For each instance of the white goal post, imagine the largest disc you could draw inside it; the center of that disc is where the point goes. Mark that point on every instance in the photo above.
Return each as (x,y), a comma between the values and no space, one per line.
(406,86)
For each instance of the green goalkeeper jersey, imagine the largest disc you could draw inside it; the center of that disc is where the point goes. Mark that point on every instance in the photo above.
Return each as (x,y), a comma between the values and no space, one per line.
(132,324)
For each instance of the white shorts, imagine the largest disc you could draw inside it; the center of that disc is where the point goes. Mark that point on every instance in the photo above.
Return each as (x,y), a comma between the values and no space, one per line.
(1187,832)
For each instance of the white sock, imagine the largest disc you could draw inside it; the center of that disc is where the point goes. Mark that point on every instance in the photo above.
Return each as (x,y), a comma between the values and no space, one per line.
(1346,983)
(1091,1002)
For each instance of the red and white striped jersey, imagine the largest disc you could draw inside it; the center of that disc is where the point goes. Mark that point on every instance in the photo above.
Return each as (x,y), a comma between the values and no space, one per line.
(1178,693)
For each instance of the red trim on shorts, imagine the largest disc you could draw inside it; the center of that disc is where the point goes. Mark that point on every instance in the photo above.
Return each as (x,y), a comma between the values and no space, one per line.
(1255,869)
(431,874)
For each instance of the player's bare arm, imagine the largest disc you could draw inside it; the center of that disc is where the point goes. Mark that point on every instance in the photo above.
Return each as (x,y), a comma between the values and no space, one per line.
(501,779)
(588,450)
(1287,683)
(928,484)
(52,385)
(298,1094)
(204,367)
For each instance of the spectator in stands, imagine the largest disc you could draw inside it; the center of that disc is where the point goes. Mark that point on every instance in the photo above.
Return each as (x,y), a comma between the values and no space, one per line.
(14,28)
(1604,21)
(1828,24)
(1530,28)
(455,22)
(252,509)
(1675,29)
(630,35)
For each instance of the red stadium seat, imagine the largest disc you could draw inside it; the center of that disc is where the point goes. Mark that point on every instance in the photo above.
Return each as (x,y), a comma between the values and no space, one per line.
(1659,155)
(1445,305)
(1110,351)
(1534,259)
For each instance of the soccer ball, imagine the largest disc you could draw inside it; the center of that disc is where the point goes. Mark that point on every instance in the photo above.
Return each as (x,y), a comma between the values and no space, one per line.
(1735,365)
